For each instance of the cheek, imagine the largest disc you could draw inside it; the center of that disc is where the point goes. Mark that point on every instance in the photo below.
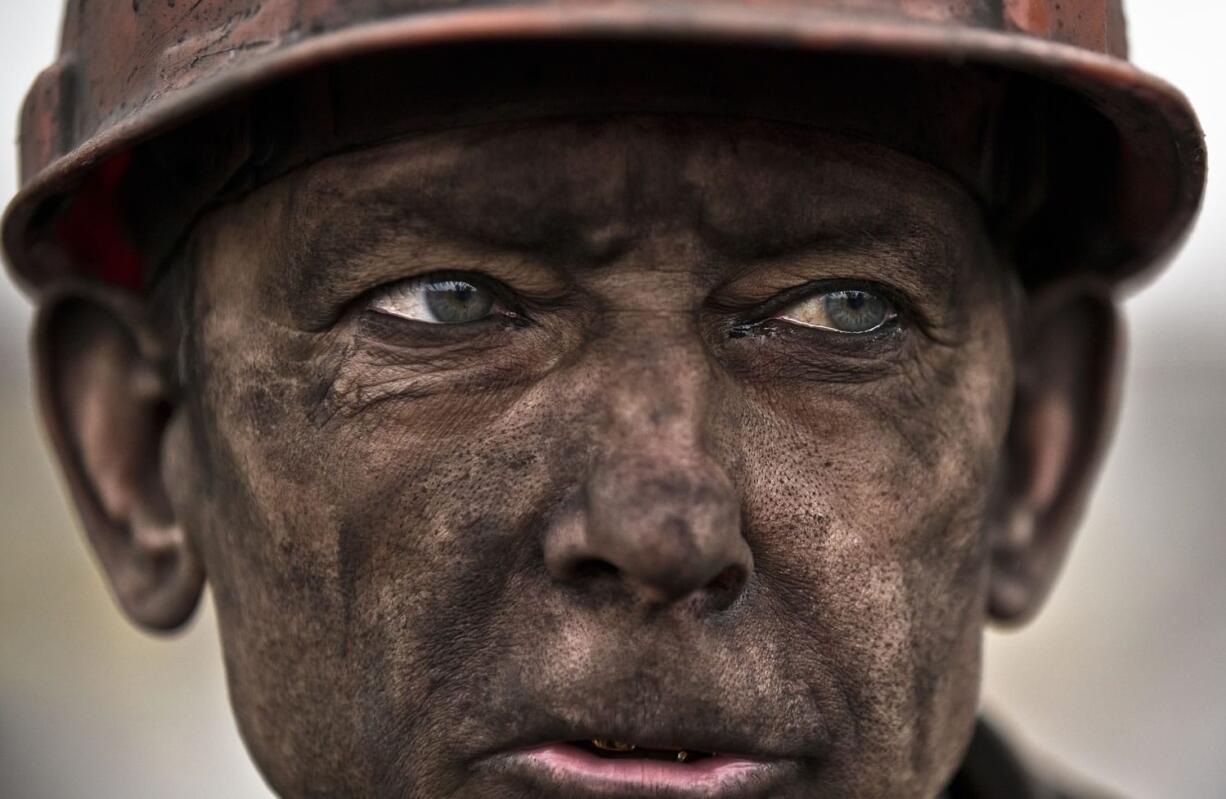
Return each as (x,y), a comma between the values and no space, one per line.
(271,557)
(352,557)
(867,508)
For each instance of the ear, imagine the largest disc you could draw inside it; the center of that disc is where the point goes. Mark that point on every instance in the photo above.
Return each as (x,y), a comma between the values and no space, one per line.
(107,405)
(1069,366)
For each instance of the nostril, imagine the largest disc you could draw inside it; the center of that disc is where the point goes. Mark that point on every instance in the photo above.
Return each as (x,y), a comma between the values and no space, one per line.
(723,590)
(591,569)
(730,581)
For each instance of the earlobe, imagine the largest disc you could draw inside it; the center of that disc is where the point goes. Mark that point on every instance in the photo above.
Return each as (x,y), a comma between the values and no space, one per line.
(107,408)
(1069,367)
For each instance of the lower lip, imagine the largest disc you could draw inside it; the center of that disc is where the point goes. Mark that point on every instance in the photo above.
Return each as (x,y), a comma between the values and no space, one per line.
(718,776)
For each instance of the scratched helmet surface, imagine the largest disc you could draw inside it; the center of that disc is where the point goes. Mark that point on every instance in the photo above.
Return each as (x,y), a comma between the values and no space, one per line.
(131,72)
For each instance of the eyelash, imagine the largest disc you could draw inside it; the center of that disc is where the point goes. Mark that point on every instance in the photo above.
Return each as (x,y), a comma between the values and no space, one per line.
(503,295)
(766,316)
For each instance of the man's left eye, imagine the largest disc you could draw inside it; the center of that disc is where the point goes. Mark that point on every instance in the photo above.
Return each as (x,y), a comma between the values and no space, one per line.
(849,311)
(438,301)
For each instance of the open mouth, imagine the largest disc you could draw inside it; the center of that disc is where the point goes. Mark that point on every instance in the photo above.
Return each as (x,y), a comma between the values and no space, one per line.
(618,750)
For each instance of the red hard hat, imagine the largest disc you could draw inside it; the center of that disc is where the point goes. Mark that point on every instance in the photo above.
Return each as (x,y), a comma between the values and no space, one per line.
(130,73)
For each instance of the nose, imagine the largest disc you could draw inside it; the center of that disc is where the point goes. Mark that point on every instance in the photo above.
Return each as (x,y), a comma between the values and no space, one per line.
(661,518)
(664,529)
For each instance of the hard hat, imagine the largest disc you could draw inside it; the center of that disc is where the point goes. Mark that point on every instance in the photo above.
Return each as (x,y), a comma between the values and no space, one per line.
(133,73)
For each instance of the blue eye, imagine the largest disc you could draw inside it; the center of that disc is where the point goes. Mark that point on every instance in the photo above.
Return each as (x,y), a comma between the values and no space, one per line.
(455,301)
(440,301)
(851,311)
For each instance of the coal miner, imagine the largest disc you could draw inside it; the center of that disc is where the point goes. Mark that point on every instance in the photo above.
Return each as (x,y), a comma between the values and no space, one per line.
(594,399)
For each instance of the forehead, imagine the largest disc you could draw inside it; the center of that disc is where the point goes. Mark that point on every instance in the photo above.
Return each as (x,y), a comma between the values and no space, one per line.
(744,186)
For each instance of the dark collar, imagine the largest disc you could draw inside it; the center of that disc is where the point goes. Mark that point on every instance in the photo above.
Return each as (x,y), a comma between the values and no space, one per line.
(991,770)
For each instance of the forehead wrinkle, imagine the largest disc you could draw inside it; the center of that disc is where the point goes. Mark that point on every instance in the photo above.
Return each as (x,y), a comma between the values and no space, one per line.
(533,187)
(785,189)
(843,225)
(347,210)
(748,192)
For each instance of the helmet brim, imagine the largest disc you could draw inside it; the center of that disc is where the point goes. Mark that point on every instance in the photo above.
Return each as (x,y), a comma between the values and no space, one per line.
(1161,155)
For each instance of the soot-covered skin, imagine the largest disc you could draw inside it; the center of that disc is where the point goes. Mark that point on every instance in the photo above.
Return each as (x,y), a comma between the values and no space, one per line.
(626,511)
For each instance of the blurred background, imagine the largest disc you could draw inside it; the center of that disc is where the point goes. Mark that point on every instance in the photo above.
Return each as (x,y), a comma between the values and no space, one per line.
(1123,678)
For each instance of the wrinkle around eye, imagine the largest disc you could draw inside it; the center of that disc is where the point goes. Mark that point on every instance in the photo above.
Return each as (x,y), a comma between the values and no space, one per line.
(785,352)
(365,379)
(372,370)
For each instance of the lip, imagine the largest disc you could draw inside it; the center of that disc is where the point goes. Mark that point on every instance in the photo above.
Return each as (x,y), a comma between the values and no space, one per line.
(562,769)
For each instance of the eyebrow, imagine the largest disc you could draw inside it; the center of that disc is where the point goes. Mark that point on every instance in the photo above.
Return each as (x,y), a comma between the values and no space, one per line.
(401,221)
(927,273)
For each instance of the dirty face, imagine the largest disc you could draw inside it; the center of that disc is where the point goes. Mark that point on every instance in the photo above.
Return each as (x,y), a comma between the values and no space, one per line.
(512,447)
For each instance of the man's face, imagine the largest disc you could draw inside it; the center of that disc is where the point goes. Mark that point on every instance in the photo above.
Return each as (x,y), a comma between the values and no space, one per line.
(674,432)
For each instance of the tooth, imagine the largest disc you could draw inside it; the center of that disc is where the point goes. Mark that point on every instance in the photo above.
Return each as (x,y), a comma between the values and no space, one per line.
(612,746)
(683,756)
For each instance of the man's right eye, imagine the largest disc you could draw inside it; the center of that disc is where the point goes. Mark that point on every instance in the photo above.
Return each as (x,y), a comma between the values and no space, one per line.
(439,301)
